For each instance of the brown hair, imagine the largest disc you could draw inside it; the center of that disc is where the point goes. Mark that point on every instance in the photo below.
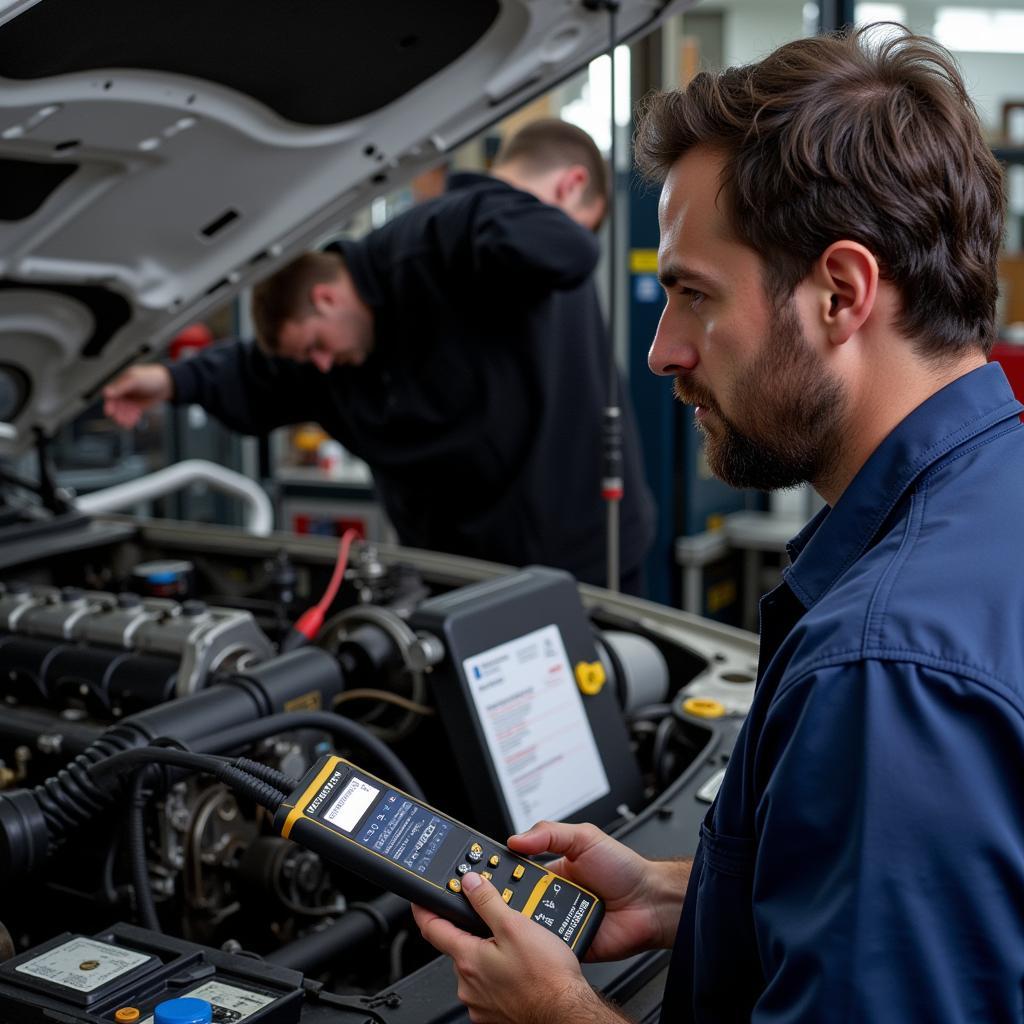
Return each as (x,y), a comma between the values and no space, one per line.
(859,135)
(547,143)
(285,294)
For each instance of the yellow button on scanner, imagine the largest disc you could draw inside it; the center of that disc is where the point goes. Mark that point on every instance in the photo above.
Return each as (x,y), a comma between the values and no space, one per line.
(506,894)
(494,860)
(518,871)
(487,875)
(127,1014)
(590,677)
(702,707)
(454,885)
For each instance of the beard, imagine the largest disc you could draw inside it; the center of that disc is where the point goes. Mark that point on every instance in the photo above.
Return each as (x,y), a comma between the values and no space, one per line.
(792,411)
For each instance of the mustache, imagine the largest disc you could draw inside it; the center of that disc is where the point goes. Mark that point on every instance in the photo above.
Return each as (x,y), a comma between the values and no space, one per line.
(690,392)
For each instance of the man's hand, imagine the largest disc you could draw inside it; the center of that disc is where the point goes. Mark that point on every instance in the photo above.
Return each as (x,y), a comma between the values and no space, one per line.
(523,974)
(136,390)
(643,899)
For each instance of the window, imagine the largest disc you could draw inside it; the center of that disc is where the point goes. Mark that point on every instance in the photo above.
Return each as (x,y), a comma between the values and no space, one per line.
(866,13)
(980,29)
(589,110)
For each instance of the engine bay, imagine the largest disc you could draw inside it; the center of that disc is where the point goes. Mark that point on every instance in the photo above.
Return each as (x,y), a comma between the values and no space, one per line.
(500,697)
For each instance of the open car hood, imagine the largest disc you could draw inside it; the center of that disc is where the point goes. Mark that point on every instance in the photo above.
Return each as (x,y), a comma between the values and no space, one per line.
(156,158)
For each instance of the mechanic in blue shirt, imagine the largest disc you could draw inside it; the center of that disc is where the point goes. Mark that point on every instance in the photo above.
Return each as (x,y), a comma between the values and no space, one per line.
(830,224)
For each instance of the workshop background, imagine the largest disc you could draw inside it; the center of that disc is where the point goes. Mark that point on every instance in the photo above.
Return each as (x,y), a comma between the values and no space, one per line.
(717,550)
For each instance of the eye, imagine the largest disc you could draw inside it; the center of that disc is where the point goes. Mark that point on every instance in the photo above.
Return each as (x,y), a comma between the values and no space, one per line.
(693,297)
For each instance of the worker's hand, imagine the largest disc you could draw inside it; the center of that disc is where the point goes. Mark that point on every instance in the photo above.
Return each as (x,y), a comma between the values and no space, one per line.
(642,898)
(136,390)
(523,974)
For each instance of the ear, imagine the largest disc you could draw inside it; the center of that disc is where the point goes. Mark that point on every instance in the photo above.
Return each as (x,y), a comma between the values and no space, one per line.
(845,278)
(570,183)
(323,296)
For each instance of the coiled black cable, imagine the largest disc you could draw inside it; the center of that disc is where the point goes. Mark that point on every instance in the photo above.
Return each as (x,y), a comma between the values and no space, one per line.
(326,721)
(80,792)
(71,798)
(233,777)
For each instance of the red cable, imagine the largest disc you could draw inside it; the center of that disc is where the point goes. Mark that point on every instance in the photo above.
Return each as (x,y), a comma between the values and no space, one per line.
(310,621)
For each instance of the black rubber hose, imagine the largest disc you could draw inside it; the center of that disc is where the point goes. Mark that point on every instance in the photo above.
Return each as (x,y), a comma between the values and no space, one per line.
(660,751)
(145,905)
(326,721)
(360,924)
(239,781)
(71,799)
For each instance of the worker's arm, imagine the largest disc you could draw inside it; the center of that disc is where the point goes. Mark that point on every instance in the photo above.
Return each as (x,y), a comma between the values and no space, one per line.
(519,241)
(246,389)
(890,868)
(135,391)
(234,381)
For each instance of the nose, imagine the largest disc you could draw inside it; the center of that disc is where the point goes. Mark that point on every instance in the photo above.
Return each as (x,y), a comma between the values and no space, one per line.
(323,361)
(671,354)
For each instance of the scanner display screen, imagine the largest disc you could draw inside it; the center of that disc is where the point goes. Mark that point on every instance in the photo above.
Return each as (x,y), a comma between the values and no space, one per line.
(403,831)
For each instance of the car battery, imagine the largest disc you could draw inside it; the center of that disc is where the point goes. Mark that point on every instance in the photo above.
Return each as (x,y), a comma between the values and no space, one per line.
(533,722)
(121,974)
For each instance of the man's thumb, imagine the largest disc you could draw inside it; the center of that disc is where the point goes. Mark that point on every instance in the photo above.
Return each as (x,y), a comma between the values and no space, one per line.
(484,899)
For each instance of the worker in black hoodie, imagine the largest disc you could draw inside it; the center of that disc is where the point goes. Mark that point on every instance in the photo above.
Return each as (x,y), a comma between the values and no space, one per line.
(461,352)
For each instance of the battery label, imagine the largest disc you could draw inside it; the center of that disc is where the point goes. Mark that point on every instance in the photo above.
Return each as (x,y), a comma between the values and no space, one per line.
(228,1003)
(83,964)
(403,831)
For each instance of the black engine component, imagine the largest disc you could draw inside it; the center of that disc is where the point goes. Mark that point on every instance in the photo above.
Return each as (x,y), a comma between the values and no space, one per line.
(33,823)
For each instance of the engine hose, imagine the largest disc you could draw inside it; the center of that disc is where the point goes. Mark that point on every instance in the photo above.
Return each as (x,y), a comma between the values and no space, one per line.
(71,798)
(358,926)
(145,905)
(326,721)
(660,751)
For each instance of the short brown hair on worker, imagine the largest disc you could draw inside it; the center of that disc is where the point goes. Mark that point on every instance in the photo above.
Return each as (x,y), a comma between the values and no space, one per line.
(548,143)
(859,136)
(285,294)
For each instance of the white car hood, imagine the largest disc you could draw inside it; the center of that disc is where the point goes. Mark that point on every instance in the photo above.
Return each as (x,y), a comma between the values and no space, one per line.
(156,156)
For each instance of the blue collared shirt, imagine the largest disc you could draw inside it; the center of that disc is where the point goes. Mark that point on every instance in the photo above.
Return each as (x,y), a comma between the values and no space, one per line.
(864,860)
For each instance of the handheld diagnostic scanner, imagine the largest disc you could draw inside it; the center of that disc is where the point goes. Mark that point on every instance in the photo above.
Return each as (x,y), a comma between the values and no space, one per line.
(360,822)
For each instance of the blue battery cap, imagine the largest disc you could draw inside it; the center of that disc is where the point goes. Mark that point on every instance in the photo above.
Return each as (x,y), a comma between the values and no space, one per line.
(183,1011)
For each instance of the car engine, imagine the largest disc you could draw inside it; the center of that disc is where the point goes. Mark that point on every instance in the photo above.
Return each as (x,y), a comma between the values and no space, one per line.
(115,636)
